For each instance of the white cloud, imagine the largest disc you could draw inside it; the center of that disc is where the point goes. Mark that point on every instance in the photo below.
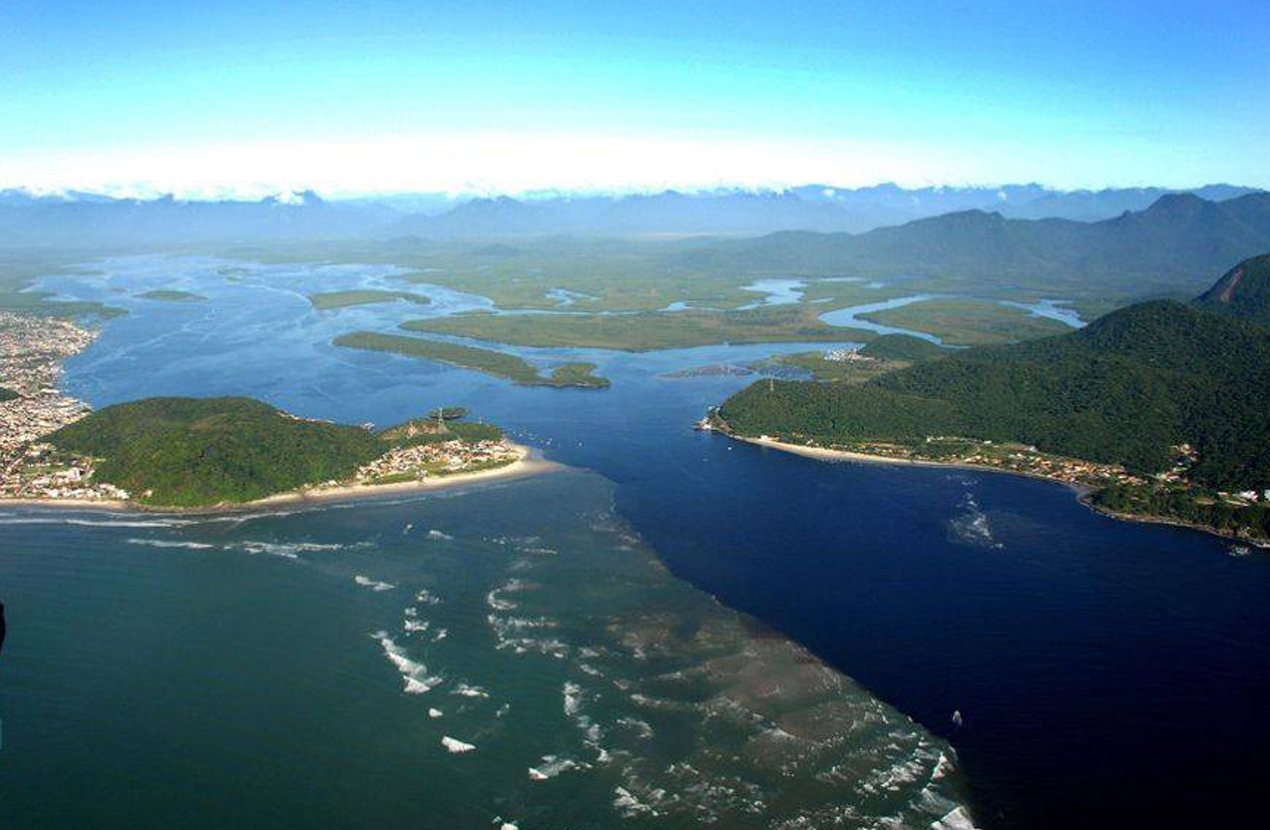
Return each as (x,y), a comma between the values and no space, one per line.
(468,163)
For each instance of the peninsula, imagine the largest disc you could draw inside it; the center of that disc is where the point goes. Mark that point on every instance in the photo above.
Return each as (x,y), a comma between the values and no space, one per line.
(206,453)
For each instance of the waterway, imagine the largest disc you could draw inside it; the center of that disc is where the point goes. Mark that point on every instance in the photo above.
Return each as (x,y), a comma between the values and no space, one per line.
(1106,674)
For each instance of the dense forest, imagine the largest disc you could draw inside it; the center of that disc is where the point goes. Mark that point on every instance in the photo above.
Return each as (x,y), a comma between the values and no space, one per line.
(1126,389)
(902,347)
(190,452)
(1243,291)
(1122,390)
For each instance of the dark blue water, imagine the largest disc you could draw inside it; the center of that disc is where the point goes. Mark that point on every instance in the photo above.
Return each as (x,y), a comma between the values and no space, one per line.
(1107,674)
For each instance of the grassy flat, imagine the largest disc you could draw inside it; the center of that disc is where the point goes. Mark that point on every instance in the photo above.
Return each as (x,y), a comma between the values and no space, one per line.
(498,364)
(969,322)
(642,332)
(329,300)
(172,296)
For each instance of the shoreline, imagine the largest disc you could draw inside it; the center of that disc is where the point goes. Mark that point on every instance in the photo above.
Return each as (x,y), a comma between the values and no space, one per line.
(825,454)
(523,467)
(1082,491)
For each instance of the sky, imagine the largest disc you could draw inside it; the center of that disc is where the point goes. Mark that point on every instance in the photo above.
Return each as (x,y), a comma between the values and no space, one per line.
(136,97)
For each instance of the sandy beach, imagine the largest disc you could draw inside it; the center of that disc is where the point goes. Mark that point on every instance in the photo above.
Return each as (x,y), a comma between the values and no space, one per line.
(1082,490)
(524,466)
(824,454)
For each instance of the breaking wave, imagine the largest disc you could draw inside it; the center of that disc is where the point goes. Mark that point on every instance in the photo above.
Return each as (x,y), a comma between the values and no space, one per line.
(374,585)
(413,673)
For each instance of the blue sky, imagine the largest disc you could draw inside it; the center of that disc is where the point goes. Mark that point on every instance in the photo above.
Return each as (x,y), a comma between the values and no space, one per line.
(389,96)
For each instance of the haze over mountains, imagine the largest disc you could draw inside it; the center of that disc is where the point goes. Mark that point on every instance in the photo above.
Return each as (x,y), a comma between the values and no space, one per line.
(1178,242)
(91,219)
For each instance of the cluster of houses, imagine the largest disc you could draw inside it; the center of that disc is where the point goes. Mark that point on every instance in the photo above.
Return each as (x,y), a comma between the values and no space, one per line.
(441,458)
(847,355)
(35,471)
(1014,457)
(32,349)
(31,353)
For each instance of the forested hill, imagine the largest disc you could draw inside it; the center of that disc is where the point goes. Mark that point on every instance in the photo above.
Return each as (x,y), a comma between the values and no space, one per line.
(1243,291)
(201,451)
(1158,250)
(195,452)
(1124,389)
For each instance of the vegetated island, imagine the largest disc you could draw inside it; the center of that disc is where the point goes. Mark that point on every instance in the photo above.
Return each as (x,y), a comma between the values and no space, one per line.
(1160,411)
(644,331)
(215,453)
(331,300)
(498,364)
(172,296)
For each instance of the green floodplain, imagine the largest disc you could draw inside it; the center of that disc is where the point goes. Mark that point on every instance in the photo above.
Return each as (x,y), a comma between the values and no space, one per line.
(330,300)
(201,452)
(960,322)
(644,331)
(641,278)
(498,364)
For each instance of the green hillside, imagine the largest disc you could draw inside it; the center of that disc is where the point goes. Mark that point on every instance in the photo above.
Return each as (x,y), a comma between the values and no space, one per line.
(1127,389)
(1122,390)
(200,451)
(903,347)
(1243,291)
(7,394)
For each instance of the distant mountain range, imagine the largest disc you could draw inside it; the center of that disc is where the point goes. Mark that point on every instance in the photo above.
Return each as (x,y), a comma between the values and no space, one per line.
(87,220)
(809,207)
(93,219)
(1173,245)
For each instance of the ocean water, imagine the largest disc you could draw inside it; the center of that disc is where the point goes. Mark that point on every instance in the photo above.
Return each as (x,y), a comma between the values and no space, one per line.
(1103,674)
(513,654)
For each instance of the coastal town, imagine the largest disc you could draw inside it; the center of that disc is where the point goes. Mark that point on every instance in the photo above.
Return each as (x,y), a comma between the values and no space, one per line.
(955,451)
(32,350)
(413,463)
